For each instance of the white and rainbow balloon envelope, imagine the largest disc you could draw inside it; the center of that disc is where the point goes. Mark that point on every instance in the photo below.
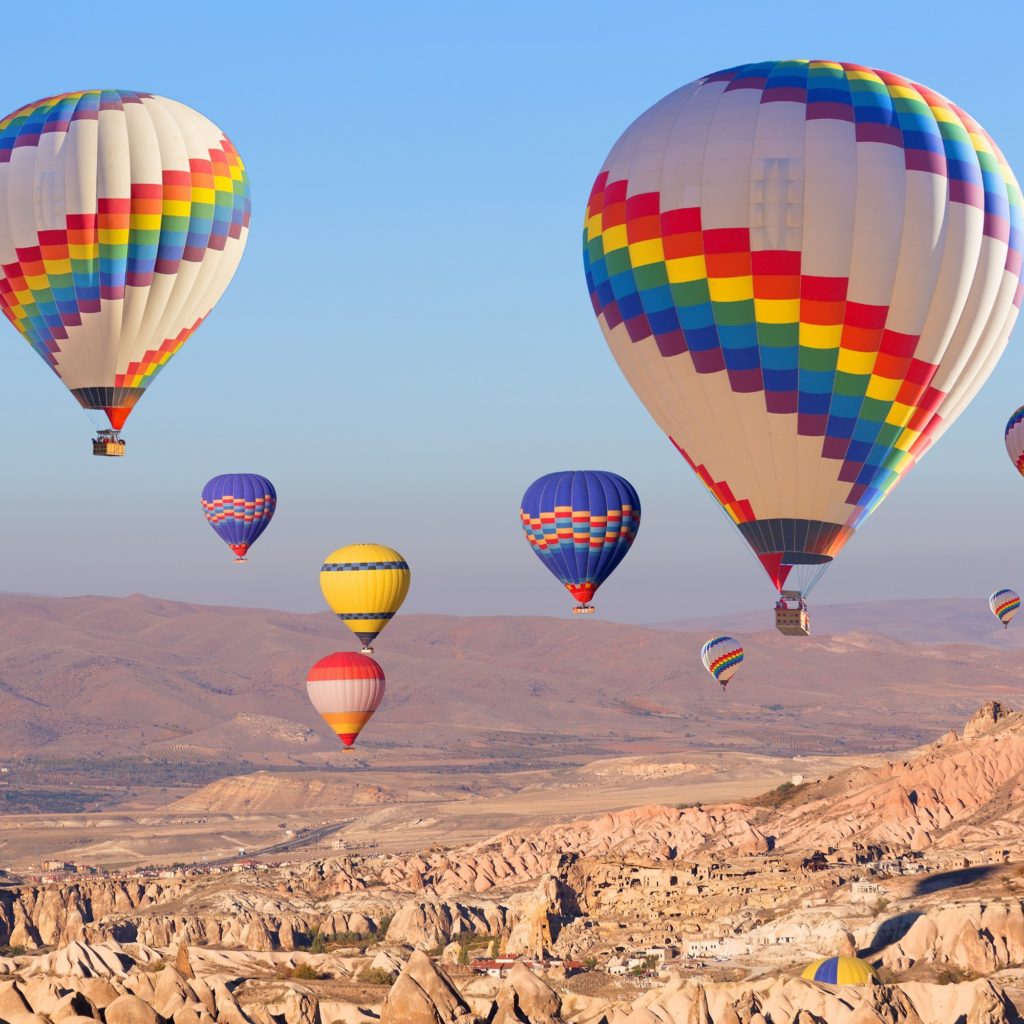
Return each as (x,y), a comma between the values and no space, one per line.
(806,270)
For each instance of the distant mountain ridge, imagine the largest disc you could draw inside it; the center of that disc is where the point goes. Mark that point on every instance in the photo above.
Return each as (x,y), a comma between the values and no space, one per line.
(142,676)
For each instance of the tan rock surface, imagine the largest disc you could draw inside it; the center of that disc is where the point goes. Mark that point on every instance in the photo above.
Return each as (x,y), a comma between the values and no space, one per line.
(424,995)
(524,997)
(130,1009)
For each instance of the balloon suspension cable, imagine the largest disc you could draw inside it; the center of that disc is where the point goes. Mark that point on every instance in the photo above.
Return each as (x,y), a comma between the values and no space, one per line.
(583,609)
(809,576)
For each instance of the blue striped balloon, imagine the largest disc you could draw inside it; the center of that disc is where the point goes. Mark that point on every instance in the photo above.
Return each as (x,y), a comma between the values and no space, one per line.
(580,524)
(239,507)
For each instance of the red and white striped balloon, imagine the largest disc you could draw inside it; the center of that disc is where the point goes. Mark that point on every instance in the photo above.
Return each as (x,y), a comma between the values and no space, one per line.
(346,688)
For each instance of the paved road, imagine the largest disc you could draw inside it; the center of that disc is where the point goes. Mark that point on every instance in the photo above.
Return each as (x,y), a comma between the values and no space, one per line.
(313,836)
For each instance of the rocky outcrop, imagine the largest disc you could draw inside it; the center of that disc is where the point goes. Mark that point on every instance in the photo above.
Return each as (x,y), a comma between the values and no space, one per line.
(296,1005)
(129,1009)
(423,994)
(182,962)
(791,1001)
(525,998)
(128,995)
(122,911)
(976,938)
(537,917)
(984,719)
(83,960)
(425,924)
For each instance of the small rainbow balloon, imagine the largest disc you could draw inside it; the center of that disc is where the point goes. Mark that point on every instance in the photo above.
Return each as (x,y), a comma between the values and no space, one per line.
(722,656)
(1004,604)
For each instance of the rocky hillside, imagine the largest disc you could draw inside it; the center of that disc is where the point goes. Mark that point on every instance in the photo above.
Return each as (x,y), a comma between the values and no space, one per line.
(111,984)
(962,789)
(933,839)
(958,794)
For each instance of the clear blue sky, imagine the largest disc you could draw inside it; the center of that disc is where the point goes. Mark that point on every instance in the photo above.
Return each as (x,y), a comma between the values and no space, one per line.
(409,342)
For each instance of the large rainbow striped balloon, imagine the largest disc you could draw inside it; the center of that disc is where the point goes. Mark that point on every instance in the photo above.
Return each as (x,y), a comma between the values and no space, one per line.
(722,656)
(580,524)
(1004,605)
(123,216)
(806,270)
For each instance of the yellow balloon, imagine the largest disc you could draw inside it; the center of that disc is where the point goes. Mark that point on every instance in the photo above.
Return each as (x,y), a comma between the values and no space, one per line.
(364,585)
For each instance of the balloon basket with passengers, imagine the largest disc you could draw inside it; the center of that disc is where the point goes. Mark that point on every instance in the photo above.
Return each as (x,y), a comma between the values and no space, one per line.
(108,443)
(791,618)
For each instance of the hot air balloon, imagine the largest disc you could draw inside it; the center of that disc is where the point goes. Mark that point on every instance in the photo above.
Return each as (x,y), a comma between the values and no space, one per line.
(364,585)
(346,689)
(123,216)
(239,507)
(580,524)
(840,970)
(1014,436)
(806,270)
(722,656)
(1004,604)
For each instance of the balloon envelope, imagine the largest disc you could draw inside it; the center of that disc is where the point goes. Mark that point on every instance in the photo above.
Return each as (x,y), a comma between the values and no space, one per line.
(239,507)
(1004,604)
(806,270)
(580,524)
(722,656)
(346,688)
(1014,436)
(123,216)
(365,585)
(840,970)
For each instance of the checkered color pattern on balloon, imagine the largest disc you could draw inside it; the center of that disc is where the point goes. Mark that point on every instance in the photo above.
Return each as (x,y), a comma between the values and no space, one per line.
(1004,604)
(722,656)
(239,507)
(142,207)
(1014,437)
(580,524)
(839,243)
